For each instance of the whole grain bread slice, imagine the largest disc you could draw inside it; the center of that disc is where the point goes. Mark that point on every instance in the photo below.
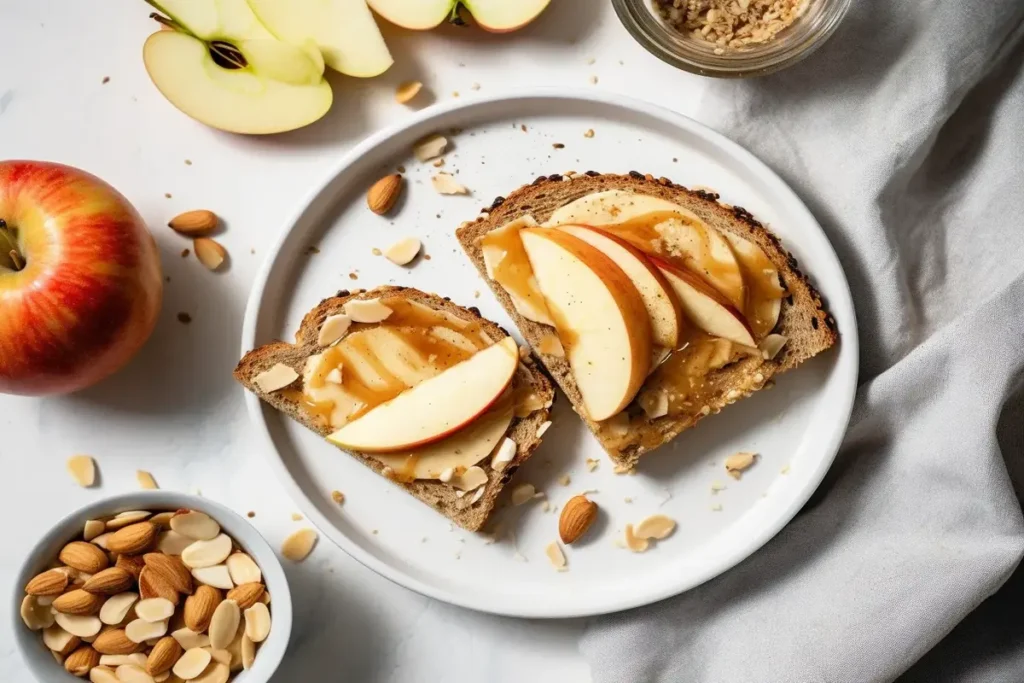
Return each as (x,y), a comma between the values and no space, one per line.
(442,497)
(808,326)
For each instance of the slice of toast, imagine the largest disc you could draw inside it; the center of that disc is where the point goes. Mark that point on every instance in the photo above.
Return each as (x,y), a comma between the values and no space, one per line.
(442,497)
(809,328)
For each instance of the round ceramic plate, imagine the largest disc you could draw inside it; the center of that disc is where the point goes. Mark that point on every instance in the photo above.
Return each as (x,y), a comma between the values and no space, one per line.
(497,145)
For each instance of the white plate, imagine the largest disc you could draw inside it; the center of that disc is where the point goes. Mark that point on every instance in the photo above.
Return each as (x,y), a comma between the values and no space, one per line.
(796,427)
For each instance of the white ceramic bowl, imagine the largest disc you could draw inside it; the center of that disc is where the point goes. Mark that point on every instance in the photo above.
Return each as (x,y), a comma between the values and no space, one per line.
(30,643)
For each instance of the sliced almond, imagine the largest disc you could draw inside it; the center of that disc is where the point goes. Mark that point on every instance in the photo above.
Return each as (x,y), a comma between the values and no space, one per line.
(430,147)
(257,622)
(145,479)
(191,664)
(209,252)
(154,610)
(637,545)
(248,652)
(102,674)
(299,545)
(127,518)
(407,90)
(403,251)
(334,376)
(737,463)
(470,479)
(335,327)
(543,428)
(222,656)
(189,639)
(505,454)
(172,543)
(655,403)
(198,526)
(136,659)
(216,576)
(192,223)
(140,630)
(59,640)
(446,475)
(771,345)
(522,493)
(478,495)
(93,529)
(215,673)
(129,673)
(243,569)
(83,626)
(224,624)
(656,527)
(207,553)
(82,469)
(445,183)
(274,379)
(116,608)
(366,310)
(555,556)
(163,519)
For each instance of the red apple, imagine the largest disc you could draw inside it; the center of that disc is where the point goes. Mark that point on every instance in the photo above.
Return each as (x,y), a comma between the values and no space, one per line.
(80,279)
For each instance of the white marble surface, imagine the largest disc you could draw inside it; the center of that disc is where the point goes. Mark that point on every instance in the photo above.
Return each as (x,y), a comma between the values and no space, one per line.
(175,410)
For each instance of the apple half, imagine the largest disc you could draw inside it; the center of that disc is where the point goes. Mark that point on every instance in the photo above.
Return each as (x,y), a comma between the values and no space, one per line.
(436,407)
(705,307)
(220,66)
(658,296)
(599,315)
(497,16)
(344,31)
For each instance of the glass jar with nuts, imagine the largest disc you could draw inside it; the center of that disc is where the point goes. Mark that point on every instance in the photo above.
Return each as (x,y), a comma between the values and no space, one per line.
(144,597)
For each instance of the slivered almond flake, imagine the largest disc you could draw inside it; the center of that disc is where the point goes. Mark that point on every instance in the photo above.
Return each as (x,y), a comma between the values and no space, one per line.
(243,569)
(82,469)
(140,630)
(543,428)
(209,252)
(555,556)
(224,624)
(207,553)
(737,463)
(771,345)
(276,378)
(470,479)
(637,545)
(656,526)
(93,529)
(478,495)
(430,147)
(406,91)
(445,183)
(522,493)
(248,652)
(446,475)
(217,576)
(367,310)
(116,608)
(257,622)
(335,328)
(145,479)
(191,664)
(299,545)
(403,251)
(505,454)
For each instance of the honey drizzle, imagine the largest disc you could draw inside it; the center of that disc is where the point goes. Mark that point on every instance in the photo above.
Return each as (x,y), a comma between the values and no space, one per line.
(513,271)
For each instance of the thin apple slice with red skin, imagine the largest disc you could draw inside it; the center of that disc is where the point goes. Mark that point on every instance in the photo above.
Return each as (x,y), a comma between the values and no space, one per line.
(764,293)
(436,407)
(658,296)
(704,306)
(418,15)
(600,318)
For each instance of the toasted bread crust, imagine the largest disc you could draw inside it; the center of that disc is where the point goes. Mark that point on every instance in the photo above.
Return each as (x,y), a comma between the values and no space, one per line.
(804,320)
(434,493)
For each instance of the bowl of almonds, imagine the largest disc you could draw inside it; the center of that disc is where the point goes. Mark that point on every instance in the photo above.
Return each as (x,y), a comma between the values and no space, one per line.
(152,587)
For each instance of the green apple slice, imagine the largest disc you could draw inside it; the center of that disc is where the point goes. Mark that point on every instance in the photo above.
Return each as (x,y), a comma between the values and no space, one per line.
(418,15)
(215,19)
(236,100)
(499,16)
(502,16)
(282,61)
(344,30)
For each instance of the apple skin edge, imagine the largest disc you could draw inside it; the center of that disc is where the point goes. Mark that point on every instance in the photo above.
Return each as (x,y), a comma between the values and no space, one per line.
(90,291)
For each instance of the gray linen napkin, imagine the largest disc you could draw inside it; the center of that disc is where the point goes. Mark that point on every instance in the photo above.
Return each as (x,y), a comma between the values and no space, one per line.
(905,136)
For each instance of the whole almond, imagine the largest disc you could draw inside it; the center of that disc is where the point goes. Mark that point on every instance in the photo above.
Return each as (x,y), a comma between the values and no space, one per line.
(133,564)
(209,252)
(152,585)
(114,642)
(109,581)
(52,582)
(163,656)
(577,516)
(85,557)
(78,602)
(246,595)
(171,569)
(200,606)
(82,660)
(133,539)
(383,194)
(194,223)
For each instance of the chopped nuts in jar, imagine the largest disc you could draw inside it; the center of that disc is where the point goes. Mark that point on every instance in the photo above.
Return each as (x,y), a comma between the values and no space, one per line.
(731,23)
